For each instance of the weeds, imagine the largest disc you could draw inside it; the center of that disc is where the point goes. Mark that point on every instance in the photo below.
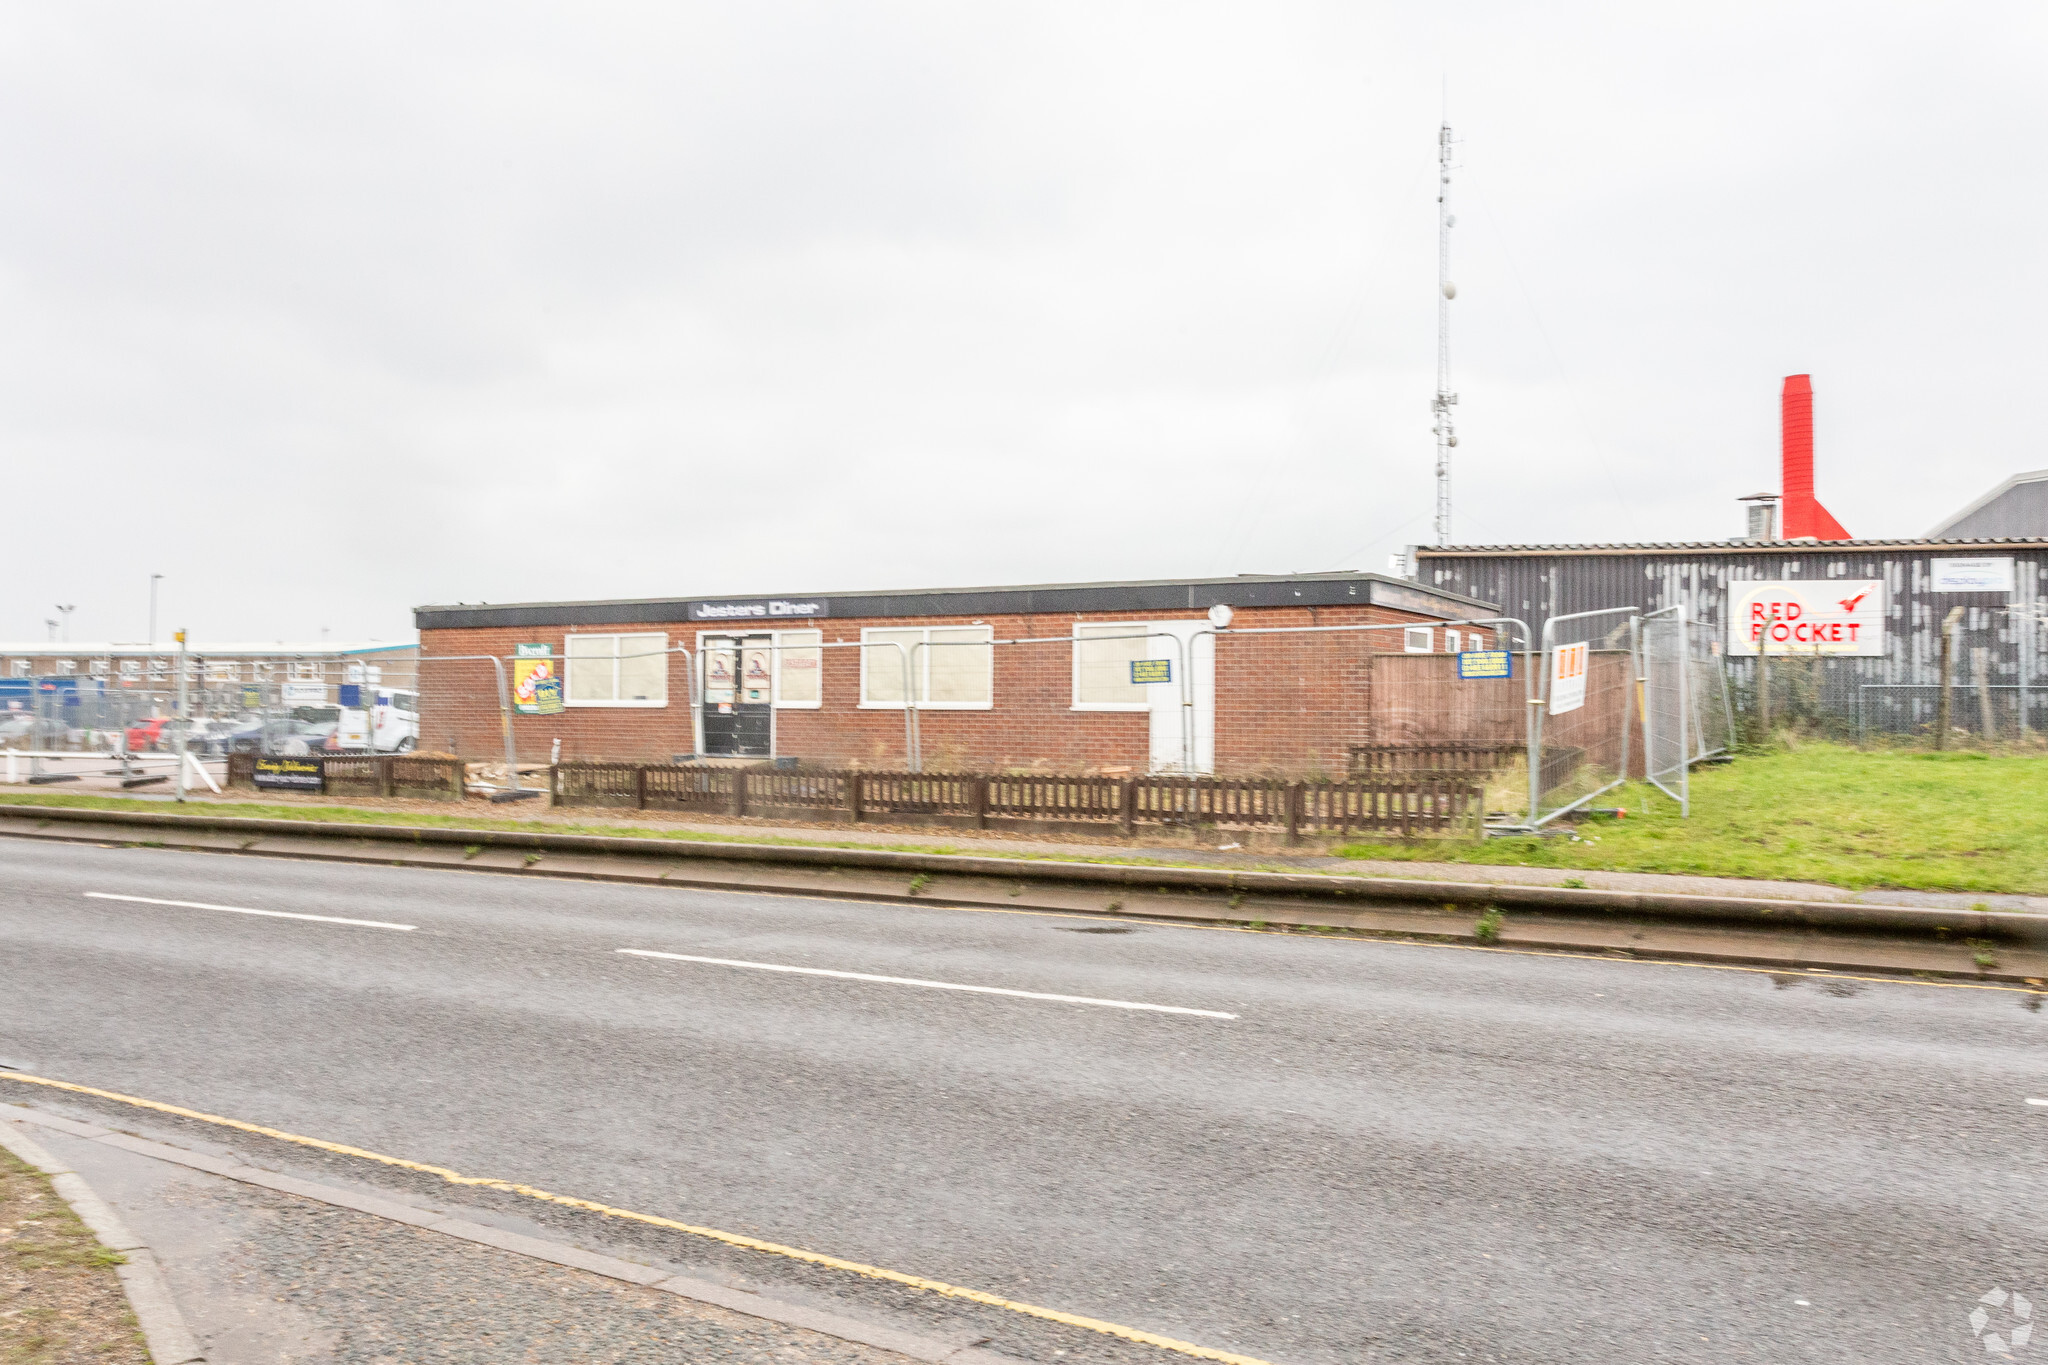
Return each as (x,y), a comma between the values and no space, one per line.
(1487,930)
(1983,952)
(1575,883)
(919,883)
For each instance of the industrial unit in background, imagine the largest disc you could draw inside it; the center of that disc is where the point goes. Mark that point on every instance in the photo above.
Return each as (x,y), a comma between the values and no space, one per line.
(1976,587)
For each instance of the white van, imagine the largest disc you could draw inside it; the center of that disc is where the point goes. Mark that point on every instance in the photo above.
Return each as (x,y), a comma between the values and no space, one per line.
(398,723)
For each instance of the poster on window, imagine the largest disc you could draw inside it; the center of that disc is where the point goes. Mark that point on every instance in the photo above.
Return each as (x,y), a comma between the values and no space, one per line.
(1823,616)
(1567,678)
(756,676)
(719,663)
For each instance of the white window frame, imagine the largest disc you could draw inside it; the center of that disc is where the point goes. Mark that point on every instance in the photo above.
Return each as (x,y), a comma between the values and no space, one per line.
(23,668)
(1452,642)
(785,638)
(615,636)
(1127,628)
(921,664)
(1418,640)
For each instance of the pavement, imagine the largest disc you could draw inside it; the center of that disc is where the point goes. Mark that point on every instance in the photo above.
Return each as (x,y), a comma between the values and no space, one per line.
(1390,1151)
(269,1278)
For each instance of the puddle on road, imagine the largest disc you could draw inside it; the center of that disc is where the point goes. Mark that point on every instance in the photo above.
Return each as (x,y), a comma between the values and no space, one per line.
(1095,929)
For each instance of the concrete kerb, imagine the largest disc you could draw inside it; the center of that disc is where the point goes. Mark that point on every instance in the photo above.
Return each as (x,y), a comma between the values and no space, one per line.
(1561,917)
(958,1350)
(170,1342)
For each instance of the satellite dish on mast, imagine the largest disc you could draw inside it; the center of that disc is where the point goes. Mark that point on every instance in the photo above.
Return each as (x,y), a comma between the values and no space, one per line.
(1219,616)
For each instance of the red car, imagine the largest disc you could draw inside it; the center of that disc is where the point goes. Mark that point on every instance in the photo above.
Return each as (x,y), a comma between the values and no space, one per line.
(145,734)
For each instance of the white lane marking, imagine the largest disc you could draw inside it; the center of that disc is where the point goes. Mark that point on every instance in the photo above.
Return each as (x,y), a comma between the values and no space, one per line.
(244,910)
(2042,1103)
(934,985)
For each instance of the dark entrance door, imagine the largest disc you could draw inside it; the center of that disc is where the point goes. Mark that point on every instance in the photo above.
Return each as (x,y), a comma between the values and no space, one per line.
(738,696)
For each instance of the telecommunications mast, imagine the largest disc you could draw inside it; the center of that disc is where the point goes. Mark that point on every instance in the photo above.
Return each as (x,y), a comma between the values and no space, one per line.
(1446,435)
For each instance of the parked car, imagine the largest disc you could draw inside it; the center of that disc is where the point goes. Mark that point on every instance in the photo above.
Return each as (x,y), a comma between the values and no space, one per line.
(397,719)
(214,736)
(305,730)
(147,734)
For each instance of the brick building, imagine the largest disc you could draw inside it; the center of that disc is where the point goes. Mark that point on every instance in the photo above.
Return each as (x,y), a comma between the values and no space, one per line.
(1063,677)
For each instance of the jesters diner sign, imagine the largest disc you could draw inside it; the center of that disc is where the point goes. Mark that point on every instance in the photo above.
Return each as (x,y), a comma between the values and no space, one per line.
(1820,616)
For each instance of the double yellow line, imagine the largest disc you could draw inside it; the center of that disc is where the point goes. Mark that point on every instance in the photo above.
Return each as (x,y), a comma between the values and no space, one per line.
(951,1291)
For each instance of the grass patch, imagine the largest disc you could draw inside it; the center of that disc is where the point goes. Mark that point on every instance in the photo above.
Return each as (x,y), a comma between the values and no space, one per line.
(62,1300)
(1818,813)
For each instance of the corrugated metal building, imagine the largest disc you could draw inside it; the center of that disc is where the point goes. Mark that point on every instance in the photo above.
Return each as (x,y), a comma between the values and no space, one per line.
(1535,582)
(2016,508)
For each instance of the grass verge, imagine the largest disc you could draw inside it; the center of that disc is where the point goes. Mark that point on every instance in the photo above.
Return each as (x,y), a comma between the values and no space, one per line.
(1815,813)
(64,1302)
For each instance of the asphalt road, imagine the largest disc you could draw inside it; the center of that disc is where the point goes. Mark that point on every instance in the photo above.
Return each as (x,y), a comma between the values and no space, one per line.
(1392,1152)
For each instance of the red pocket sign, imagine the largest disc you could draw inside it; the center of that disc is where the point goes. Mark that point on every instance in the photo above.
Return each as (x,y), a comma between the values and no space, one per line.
(1821,616)
(1567,678)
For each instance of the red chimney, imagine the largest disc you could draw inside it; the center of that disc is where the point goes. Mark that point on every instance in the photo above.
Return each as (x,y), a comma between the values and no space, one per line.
(1803,516)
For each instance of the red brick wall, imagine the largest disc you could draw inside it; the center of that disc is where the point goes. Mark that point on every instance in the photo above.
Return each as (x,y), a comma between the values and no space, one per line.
(1284,703)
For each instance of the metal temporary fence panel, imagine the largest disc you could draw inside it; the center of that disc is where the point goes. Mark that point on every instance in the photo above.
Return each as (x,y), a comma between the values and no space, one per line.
(1584,751)
(1711,713)
(1666,706)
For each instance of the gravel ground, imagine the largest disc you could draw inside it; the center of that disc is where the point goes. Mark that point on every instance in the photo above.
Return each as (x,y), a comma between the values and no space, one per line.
(59,1300)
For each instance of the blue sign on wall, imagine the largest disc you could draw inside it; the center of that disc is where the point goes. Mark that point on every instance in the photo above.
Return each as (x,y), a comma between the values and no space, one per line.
(1486,663)
(1151,670)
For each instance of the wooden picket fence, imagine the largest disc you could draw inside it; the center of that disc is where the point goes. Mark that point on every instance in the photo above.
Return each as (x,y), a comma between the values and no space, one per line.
(1410,804)
(1444,756)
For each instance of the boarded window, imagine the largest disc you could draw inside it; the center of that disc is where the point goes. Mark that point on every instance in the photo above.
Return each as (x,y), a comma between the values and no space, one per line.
(798,670)
(960,665)
(949,666)
(615,670)
(1103,655)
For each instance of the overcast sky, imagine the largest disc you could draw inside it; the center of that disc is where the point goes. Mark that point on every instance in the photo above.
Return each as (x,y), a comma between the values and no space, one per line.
(328,312)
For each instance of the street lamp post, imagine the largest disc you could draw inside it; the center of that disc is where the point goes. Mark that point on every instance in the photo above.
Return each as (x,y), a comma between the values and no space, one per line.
(154,579)
(65,612)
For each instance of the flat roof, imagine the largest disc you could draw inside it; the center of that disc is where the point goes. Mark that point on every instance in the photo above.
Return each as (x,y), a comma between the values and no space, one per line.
(198,648)
(1152,594)
(1730,547)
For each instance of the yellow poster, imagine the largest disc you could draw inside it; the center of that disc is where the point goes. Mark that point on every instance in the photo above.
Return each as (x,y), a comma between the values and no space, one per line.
(536,687)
